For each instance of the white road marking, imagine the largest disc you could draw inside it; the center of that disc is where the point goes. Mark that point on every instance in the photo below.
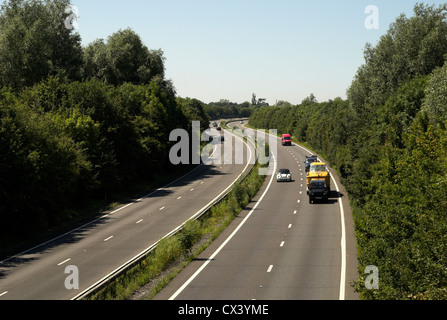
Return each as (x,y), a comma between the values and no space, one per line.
(290,226)
(105,240)
(139,221)
(294,212)
(2,294)
(162,208)
(211,258)
(270,268)
(111,213)
(282,244)
(179,198)
(343,238)
(63,262)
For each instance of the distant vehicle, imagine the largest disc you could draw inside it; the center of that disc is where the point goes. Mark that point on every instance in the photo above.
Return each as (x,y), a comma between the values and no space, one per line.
(318,171)
(222,138)
(215,124)
(242,122)
(318,191)
(286,140)
(309,160)
(284,175)
(219,129)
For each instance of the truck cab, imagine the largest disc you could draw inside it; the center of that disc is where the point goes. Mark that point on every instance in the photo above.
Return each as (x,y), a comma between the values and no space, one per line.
(286,140)
(318,190)
(319,171)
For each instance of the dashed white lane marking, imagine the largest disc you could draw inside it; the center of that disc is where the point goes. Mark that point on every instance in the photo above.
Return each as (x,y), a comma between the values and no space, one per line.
(63,262)
(105,240)
(270,268)
(162,208)
(139,221)
(2,294)
(229,238)
(282,244)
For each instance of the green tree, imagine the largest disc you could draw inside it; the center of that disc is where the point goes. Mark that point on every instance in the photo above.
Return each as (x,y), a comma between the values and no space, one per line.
(435,103)
(124,58)
(412,47)
(34,43)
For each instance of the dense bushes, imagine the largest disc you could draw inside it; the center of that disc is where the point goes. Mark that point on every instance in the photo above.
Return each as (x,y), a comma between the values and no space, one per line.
(77,124)
(65,143)
(388,141)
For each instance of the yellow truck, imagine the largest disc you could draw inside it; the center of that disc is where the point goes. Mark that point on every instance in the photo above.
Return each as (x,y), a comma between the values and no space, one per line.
(318,171)
(318,182)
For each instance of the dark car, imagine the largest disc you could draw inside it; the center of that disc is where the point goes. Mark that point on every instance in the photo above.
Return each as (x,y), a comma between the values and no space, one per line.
(318,191)
(309,160)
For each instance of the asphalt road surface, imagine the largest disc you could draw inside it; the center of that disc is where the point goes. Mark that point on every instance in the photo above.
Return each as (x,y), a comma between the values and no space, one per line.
(63,268)
(280,247)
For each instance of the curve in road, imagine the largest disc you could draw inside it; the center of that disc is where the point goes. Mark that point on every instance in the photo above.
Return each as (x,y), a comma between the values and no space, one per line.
(99,248)
(284,248)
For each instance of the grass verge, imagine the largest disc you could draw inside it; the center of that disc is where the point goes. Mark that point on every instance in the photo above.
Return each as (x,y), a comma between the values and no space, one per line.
(172,254)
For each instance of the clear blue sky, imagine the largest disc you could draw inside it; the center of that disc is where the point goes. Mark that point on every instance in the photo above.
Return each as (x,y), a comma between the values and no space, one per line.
(229,49)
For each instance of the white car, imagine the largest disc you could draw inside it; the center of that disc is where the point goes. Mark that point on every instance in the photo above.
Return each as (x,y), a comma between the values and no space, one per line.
(284,175)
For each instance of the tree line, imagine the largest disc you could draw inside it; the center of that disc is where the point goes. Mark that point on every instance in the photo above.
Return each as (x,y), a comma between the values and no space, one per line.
(77,124)
(388,141)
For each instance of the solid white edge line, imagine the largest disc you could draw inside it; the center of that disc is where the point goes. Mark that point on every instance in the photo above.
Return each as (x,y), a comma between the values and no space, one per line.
(343,245)
(105,215)
(179,227)
(342,294)
(227,240)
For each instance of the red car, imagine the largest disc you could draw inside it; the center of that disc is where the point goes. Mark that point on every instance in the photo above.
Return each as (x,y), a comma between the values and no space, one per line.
(286,140)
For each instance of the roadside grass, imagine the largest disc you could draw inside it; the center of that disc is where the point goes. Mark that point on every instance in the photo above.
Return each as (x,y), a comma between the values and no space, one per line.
(172,254)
